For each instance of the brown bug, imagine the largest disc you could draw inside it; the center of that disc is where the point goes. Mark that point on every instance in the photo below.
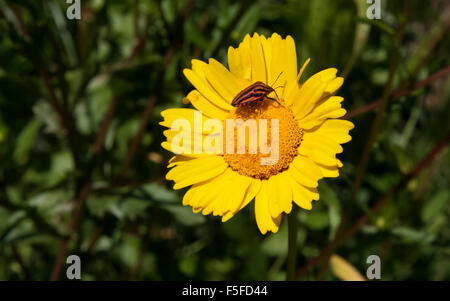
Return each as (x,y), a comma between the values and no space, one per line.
(254,93)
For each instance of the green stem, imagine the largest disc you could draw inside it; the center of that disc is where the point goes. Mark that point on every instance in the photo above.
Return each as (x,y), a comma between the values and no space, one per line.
(292,245)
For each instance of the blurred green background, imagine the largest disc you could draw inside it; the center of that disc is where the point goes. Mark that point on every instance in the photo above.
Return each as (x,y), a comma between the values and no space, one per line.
(82,170)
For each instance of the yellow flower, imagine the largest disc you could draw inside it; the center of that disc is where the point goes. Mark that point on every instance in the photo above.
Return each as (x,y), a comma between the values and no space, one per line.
(309,133)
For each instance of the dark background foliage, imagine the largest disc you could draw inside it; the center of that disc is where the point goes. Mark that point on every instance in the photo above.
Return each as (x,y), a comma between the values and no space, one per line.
(82,170)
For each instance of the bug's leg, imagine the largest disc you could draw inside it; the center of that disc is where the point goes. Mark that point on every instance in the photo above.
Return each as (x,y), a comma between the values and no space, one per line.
(277,97)
(251,105)
(260,108)
(274,100)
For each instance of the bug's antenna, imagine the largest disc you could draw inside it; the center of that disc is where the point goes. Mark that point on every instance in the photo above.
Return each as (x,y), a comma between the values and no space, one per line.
(276,91)
(276,94)
(277,78)
(276,88)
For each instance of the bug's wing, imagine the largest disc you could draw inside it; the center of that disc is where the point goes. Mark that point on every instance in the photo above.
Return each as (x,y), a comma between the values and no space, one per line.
(254,92)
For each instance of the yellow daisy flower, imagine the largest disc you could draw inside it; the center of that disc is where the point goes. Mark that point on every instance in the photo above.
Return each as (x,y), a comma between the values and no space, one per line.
(310,135)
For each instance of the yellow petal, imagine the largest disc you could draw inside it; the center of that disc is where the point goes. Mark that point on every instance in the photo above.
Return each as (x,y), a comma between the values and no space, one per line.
(312,193)
(344,270)
(307,167)
(329,171)
(305,98)
(298,194)
(214,196)
(335,130)
(250,194)
(317,141)
(334,85)
(239,59)
(330,108)
(283,191)
(291,59)
(191,142)
(198,79)
(170,115)
(185,150)
(267,51)
(195,137)
(197,170)
(301,177)
(325,75)
(223,81)
(207,193)
(177,160)
(302,69)
(218,202)
(257,59)
(252,191)
(277,64)
(318,155)
(290,65)
(207,107)
(233,198)
(264,220)
(187,198)
(322,143)
(273,199)
(232,81)
(282,67)
(311,92)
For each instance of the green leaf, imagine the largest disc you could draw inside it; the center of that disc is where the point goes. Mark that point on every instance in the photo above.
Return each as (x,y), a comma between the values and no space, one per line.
(385,27)
(99,205)
(316,219)
(185,216)
(160,193)
(25,142)
(277,244)
(12,222)
(435,206)
(133,208)
(410,235)
(49,200)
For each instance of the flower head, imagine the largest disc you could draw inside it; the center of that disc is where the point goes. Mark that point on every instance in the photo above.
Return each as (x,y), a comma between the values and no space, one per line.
(290,136)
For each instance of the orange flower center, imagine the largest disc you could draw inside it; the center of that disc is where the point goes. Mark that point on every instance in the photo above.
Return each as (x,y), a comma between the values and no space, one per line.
(269,121)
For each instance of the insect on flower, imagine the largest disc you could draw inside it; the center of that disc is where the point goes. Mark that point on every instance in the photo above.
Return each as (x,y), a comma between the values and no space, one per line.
(310,133)
(254,93)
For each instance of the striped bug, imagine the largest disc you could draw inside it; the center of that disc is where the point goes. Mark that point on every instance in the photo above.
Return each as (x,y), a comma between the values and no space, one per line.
(254,93)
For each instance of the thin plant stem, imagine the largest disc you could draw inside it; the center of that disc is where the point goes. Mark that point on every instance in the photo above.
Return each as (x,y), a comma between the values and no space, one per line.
(400,92)
(292,245)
